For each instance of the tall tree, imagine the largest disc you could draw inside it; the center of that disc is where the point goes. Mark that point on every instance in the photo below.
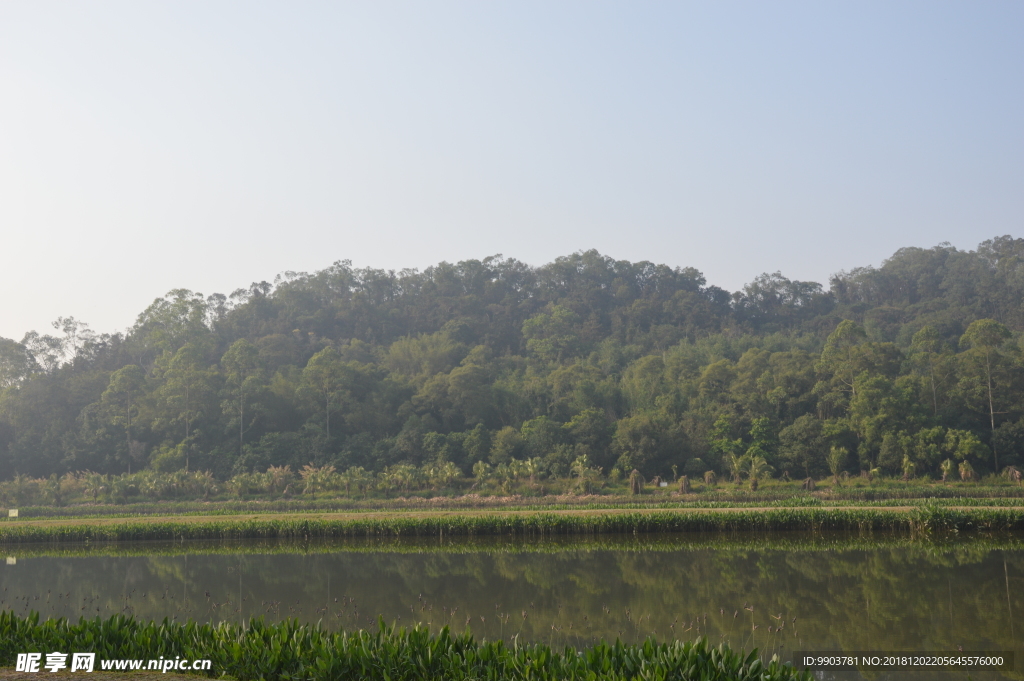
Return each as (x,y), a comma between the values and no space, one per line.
(930,355)
(839,357)
(122,392)
(323,376)
(185,390)
(985,337)
(16,363)
(242,367)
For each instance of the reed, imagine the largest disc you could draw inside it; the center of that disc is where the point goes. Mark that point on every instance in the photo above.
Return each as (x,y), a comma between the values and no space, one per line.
(295,651)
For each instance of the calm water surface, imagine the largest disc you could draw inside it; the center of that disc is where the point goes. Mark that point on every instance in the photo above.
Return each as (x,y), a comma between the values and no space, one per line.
(779,595)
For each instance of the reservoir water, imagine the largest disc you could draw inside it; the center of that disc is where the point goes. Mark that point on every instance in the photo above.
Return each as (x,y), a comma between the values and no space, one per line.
(779,594)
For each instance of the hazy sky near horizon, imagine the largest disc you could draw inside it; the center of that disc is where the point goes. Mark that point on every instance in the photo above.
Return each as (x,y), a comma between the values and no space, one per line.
(152,145)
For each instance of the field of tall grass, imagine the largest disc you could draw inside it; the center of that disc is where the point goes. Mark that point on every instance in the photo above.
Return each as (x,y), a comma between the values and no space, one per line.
(289,650)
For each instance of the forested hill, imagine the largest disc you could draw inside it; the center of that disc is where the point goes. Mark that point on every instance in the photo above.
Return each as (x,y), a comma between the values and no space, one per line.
(631,364)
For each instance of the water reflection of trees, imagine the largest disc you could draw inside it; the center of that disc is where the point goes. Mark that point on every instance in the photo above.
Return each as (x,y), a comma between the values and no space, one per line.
(911,597)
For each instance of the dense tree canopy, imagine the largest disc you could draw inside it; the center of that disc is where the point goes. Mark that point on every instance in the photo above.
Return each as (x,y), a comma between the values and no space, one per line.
(634,365)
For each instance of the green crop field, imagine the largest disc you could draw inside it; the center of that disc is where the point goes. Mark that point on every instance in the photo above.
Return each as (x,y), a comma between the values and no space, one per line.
(292,651)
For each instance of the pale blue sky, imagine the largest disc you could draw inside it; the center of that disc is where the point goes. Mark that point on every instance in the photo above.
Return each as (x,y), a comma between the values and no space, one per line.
(205,145)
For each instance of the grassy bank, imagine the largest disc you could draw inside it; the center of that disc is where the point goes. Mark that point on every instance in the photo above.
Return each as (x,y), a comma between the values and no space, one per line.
(290,650)
(910,520)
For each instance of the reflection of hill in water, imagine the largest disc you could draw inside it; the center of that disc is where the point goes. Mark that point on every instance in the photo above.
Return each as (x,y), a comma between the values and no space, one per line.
(844,594)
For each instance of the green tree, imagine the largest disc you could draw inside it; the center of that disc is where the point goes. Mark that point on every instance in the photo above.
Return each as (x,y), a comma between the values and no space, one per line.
(985,337)
(880,406)
(16,363)
(931,357)
(716,379)
(477,444)
(801,445)
(242,367)
(721,443)
(551,335)
(965,446)
(424,356)
(643,383)
(646,442)
(323,376)
(186,390)
(122,393)
(541,435)
(506,445)
(591,430)
(840,355)
(173,321)
(762,439)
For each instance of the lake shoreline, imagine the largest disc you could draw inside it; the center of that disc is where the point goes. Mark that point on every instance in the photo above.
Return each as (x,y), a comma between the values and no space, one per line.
(511,523)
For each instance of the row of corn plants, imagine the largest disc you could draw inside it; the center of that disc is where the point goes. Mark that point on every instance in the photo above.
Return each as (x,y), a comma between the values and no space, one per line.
(290,650)
(919,520)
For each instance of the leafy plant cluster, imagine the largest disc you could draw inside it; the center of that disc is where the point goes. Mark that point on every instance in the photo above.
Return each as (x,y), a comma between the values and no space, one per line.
(280,482)
(295,651)
(582,370)
(514,485)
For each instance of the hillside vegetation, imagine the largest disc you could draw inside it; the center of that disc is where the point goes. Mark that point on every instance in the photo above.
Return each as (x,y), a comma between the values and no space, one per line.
(587,363)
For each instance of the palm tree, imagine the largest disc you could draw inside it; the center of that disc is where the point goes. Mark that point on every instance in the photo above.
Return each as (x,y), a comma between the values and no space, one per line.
(52,490)
(279,476)
(345,479)
(316,479)
(908,468)
(441,474)
(532,467)
(517,468)
(579,466)
(404,476)
(758,468)
(95,484)
(388,480)
(585,474)
(481,471)
(736,465)
(361,478)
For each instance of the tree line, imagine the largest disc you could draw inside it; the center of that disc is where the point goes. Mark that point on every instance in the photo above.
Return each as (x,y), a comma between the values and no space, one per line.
(899,369)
